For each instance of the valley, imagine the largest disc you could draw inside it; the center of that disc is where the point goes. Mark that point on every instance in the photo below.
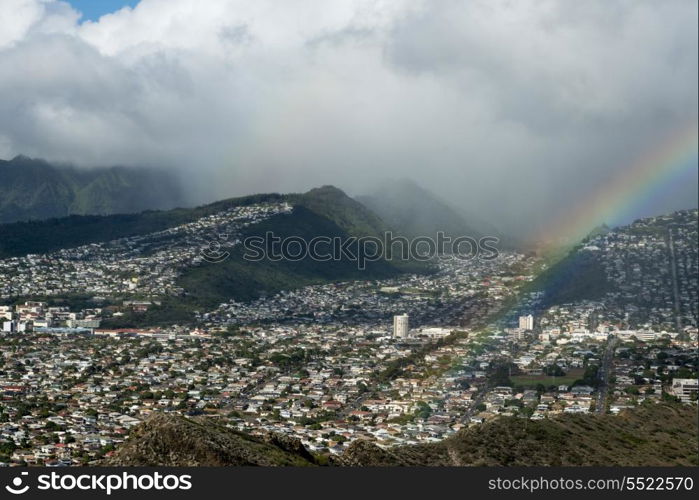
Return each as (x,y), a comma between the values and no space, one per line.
(101,337)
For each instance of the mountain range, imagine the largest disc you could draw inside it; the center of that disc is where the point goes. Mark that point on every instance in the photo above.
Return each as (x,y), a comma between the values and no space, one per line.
(321,212)
(591,271)
(33,189)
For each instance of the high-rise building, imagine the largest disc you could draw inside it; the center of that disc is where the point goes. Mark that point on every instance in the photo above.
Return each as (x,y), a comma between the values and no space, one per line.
(526,322)
(400,326)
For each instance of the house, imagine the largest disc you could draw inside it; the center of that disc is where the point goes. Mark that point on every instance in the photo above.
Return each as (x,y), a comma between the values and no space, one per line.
(582,390)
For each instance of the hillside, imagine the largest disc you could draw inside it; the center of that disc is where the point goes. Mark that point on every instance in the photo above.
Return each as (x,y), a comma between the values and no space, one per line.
(650,435)
(243,279)
(173,441)
(349,214)
(414,211)
(580,275)
(174,242)
(33,189)
(42,236)
(654,435)
(326,212)
(647,268)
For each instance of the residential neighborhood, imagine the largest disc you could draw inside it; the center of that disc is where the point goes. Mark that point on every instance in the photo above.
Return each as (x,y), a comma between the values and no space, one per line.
(404,360)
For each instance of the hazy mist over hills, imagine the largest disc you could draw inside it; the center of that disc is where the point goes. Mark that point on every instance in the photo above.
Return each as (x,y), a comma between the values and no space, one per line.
(479,102)
(414,210)
(36,189)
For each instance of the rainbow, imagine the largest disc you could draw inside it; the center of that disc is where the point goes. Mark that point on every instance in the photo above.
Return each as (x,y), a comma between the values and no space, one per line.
(656,170)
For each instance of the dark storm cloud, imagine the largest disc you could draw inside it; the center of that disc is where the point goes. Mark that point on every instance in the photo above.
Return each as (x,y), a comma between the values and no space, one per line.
(500,106)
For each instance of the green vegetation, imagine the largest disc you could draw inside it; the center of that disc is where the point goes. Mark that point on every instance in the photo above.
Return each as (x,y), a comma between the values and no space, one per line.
(353,217)
(663,434)
(241,279)
(173,310)
(325,211)
(175,441)
(577,276)
(532,381)
(44,236)
(36,189)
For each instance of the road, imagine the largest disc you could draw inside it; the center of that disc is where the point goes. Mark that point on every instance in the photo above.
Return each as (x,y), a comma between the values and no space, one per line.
(675,286)
(604,374)
(472,410)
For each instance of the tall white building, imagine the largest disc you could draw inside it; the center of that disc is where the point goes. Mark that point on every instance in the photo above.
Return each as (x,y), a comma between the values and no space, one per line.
(400,326)
(526,322)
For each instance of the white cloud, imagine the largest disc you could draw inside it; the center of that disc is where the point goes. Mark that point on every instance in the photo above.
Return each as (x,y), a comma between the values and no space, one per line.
(533,100)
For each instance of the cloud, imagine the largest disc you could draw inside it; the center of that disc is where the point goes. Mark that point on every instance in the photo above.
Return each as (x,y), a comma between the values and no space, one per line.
(498,105)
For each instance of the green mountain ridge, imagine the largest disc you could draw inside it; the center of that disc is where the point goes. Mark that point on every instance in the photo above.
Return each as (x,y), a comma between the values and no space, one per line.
(348,213)
(243,279)
(326,211)
(33,189)
(42,236)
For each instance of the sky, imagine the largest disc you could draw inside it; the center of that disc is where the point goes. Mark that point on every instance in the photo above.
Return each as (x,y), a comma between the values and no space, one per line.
(92,10)
(513,111)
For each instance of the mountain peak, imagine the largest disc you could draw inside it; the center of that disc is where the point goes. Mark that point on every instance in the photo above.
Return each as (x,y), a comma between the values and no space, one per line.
(20,157)
(326,190)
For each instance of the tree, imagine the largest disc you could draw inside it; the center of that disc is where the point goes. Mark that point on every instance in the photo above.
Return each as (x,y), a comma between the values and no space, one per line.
(423,410)
(527,411)
(554,371)
(7,448)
